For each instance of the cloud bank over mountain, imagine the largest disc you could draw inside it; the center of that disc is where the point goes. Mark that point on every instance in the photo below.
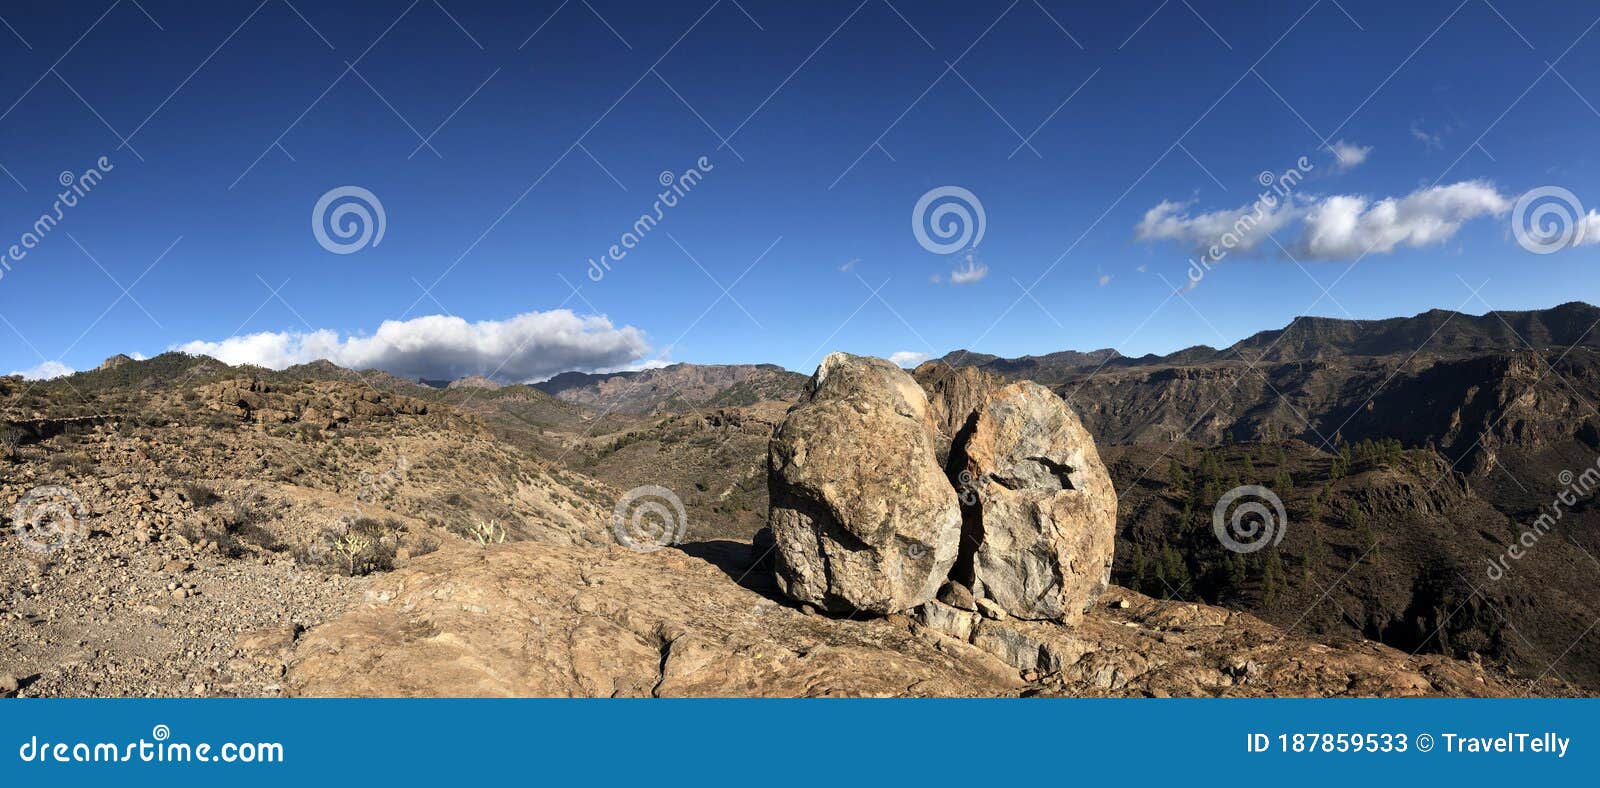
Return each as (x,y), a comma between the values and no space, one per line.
(529,346)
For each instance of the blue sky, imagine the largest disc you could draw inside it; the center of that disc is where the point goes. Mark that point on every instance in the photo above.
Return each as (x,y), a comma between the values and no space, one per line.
(549,124)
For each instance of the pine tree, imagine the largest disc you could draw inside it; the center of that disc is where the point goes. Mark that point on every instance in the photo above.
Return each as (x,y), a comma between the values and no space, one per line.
(1319,546)
(1177,477)
(1271,577)
(1365,536)
(1172,570)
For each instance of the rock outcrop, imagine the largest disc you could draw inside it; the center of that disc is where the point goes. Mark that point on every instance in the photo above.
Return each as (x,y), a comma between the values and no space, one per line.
(1039,509)
(322,404)
(114,361)
(473,382)
(860,509)
(862,513)
(955,394)
(531,619)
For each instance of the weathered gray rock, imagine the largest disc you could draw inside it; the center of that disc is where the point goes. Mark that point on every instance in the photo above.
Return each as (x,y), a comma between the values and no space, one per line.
(862,513)
(1039,506)
(954,395)
(947,620)
(957,596)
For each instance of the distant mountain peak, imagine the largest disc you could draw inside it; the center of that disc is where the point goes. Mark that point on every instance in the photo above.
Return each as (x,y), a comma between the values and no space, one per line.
(1314,338)
(473,382)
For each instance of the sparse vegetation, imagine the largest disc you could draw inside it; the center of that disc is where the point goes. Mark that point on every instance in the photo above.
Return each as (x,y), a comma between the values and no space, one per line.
(488,532)
(199,494)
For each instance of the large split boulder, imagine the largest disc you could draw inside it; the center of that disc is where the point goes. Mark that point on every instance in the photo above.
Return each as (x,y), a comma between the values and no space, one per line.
(1039,508)
(954,396)
(863,515)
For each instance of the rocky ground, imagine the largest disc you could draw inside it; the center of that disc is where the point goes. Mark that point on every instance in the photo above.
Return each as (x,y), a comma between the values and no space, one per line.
(240,532)
(530,619)
(112,617)
(178,549)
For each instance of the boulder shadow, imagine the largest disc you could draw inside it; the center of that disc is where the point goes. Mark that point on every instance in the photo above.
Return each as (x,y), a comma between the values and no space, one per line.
(738,560)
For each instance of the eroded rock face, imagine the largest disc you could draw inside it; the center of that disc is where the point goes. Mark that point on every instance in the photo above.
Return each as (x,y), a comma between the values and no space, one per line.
(549,620)
(954,395)
(1040,511)
(530,619)
(862,513)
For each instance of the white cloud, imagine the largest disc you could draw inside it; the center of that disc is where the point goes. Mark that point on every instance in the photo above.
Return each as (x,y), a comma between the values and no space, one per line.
(1588,229)
(1430,141)
(525,347)
(1337,227)
(1347,155)
(1241,229)
(1346,226)
(972,271)
(45,371)
(907,358)
(637,366)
